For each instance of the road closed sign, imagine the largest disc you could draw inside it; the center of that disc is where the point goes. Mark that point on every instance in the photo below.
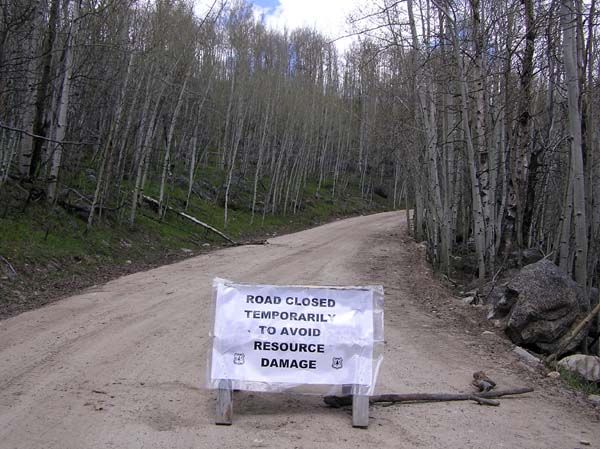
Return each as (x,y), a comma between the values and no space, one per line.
(269,338)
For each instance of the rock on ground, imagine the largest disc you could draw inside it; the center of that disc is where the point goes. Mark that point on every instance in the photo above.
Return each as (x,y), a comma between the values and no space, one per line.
(587,366)
(540,304)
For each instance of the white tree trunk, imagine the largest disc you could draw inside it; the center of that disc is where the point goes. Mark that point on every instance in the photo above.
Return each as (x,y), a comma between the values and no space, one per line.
(144,151)
(63,104)
(167,158)
(574,128)
(477,206)
(108,149)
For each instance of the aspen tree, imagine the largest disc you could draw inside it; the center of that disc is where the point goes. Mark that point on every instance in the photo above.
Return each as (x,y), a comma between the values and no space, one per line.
(60,129)
(576,172)
(42,91)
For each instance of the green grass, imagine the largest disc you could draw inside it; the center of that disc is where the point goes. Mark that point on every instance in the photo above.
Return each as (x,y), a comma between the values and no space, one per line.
(578,383)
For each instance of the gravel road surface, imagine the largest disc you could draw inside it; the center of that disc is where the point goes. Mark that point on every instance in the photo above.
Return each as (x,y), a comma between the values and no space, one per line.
(121,365)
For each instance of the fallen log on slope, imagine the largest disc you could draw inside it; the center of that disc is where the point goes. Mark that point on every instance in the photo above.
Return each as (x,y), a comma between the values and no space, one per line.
(190,218)
(81,206)
(573,333)
(11,270)
(481,397)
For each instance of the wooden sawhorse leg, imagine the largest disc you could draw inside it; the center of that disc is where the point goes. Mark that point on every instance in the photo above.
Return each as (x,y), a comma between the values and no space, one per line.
(360,408)
(360,411)
(224,403)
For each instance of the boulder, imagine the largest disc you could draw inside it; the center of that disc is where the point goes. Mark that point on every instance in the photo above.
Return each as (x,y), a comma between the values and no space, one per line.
(518,259)
(587,366)
(380,191)
(540,304)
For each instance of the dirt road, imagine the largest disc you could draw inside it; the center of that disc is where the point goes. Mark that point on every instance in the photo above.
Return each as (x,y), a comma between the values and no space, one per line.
(120,366)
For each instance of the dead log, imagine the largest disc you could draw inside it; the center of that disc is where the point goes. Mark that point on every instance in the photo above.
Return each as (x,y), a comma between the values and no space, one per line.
(64,195)
(81,211)
(81,205)
(574,332)
(190,218)
(481,397)
(11,270)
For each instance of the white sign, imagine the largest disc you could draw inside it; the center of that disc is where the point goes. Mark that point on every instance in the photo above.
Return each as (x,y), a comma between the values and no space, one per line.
(293,335)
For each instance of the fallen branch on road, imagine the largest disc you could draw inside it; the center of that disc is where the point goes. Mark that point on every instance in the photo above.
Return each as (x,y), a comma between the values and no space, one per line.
(484,398)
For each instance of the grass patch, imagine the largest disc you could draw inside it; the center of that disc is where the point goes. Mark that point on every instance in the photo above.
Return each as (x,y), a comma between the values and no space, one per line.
(578,383)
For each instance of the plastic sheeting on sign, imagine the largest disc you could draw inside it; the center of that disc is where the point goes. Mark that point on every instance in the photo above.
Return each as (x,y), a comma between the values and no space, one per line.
(308,339)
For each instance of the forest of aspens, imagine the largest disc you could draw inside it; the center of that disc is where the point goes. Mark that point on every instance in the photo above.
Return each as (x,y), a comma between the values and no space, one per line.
(479,117)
